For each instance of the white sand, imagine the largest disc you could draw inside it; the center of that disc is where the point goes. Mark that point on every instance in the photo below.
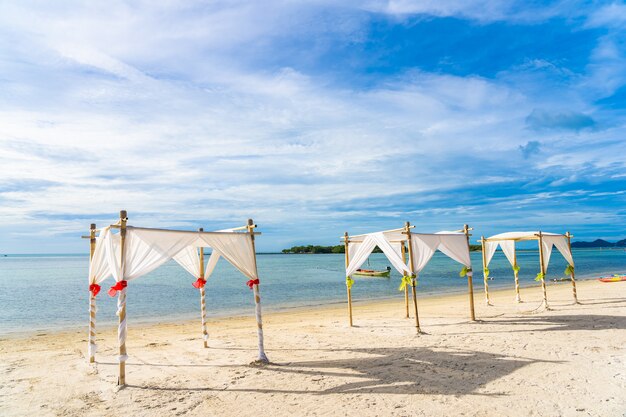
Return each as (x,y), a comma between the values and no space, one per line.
(570,361)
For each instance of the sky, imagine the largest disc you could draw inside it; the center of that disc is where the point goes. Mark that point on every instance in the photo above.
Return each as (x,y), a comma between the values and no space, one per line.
(312,118)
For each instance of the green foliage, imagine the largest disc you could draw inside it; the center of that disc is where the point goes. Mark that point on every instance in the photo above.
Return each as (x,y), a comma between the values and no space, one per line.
(321,249)
(340,249)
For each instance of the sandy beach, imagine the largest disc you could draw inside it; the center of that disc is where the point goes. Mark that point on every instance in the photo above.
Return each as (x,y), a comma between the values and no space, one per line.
(570,361)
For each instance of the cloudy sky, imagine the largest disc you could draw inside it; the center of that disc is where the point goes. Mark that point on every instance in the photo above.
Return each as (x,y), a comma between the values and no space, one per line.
(313,118)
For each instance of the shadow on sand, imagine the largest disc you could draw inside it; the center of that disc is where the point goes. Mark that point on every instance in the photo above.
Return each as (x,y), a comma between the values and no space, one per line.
(392,371)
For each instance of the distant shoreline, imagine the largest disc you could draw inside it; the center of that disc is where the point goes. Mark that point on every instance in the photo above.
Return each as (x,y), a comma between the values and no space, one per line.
(12,255)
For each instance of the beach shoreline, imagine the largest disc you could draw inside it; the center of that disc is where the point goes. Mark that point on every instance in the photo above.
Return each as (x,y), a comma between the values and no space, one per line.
(523,361)
(441,295)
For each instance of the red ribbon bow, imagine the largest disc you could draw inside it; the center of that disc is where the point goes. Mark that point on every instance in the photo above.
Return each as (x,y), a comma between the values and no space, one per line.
(119,286)
(252,283)
(94,289)
(199,283)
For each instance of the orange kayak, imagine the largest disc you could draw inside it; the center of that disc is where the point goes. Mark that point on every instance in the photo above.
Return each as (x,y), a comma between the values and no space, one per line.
(614,278)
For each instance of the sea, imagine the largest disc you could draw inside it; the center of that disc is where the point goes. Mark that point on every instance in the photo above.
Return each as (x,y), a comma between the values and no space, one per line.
(40,293)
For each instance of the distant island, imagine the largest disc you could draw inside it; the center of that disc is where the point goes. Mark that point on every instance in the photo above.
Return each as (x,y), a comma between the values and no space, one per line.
(314,249)
(600,243)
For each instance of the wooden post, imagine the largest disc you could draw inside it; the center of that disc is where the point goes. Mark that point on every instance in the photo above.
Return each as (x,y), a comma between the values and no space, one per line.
(407,228)
(482,242)
(543,272)
(406,288)
(572,275)
(257,298)
(516,274)
(347,257)
(92,299)
(205,333)
(122,303)
(470,285)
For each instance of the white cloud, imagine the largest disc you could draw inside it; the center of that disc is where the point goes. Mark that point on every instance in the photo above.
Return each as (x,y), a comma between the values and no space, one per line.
(157,110)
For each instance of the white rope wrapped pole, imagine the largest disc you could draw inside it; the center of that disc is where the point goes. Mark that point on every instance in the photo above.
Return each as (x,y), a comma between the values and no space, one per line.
(406,288)
(518,298)
(92,347)
(572,275)
(257,299)
(487,299)
(348,279)
(470,274)
(543,272)
(407,230)
(205,333)
(121,306)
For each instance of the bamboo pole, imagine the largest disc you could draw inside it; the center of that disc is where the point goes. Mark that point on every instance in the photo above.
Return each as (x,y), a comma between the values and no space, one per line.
(572,275)
(543,272)
(205,333)
(482,242)
(92,299)
(257,298)
(470,284)
(516,274)
(406,288)
(407,230)
(347,257)
(122,301)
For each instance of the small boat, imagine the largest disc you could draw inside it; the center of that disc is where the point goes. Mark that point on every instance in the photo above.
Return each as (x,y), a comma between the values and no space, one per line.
(373,273)
(613,278)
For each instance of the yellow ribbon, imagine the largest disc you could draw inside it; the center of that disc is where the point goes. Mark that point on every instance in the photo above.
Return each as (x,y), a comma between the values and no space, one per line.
(486,272)
(349,282)
(406,280)
(464,271)
(540,276)
(516,268)
(569,270)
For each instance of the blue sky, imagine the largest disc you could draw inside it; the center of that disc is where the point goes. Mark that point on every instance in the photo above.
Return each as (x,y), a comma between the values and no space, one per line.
(311,117)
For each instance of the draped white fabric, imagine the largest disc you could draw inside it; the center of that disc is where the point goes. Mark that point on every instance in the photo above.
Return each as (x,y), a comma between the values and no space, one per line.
(562,245)
(397,248)
(236,248)
(490,250)
(98,267)
(189,259)
(210,266)
(361,253)
(455,246)
(547,252)
(365,248)
(147,249)
(508,247)
(507,243)
(353,248)
(394,257)
(423,248)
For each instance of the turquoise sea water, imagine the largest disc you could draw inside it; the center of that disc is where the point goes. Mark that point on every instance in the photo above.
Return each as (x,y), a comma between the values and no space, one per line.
(42,292)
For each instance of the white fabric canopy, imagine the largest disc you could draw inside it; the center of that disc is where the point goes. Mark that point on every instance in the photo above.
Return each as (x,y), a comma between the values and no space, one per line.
(189,259)
(453,245)
(507,243)
(508,247)
(362,250)
(147,249)
(98,267)
(423,246)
